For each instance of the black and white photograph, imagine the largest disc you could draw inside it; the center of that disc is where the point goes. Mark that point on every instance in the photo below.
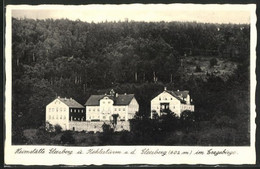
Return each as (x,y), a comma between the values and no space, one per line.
(156,79)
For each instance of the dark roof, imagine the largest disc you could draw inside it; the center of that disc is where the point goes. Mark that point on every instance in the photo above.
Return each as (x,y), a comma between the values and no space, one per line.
(120,99)
(71,102)
(182,94)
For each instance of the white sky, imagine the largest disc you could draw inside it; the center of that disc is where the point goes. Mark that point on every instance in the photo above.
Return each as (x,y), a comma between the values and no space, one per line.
(139,12)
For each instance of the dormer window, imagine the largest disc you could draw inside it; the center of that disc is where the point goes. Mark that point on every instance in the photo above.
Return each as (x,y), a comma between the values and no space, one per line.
(159,98)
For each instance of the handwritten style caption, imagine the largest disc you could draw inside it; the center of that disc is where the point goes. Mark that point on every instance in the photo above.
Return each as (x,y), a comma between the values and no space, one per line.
(110,151)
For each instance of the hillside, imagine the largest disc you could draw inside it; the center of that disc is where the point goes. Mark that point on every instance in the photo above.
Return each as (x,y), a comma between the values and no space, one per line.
(223,69)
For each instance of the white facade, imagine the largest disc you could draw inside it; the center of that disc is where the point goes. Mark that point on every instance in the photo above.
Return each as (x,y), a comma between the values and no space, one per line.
(58,113)
(107,107)
(168,100)
(62,111)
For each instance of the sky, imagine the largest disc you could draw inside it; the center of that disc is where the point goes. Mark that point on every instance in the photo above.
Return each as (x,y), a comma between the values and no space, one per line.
(238,14)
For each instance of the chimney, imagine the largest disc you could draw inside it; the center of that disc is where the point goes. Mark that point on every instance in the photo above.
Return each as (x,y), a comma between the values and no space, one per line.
(178,90)
(165,88)
(70,98)
(125,93)
(116,94)
(58,97)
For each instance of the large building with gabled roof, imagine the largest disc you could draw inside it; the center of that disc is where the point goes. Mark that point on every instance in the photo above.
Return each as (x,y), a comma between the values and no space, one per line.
(63,111)
(175,101)
(102,107)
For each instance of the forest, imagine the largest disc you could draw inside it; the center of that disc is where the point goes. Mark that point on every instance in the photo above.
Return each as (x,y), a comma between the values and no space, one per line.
(76,59)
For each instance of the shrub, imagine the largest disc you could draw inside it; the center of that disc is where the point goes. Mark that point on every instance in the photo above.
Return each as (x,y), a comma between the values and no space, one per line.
(198,69)
(57,128)
(213,62)
(67,138)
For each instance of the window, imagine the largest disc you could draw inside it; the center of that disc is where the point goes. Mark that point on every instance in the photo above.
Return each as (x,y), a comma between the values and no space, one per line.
(115,109)
(49,109)
(52,117)
(123,109)
(94,109)
(159,98)
(64,117)
(97,109)
(89,109)
(57,109)
(60,109)
(64,109)
(61,117)
(119,109)
(53,109)
(108,102)
(171,98)
(104,117)
(104,102)
(57,117)
(49,116)
(165,98)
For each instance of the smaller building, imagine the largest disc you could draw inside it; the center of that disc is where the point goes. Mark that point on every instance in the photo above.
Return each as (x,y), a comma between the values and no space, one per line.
(175,101)
(63,111)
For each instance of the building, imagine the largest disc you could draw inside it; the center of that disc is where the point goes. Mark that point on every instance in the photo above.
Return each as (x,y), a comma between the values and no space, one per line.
(102,107)
(175,101)
(63,111)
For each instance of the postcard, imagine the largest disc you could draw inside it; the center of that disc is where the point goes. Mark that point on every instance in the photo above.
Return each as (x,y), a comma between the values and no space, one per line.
(130,84)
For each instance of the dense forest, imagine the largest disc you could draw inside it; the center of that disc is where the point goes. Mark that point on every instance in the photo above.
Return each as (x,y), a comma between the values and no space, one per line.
(75,59)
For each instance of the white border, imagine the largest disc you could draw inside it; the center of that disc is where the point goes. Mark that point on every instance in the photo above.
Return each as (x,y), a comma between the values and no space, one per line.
(244,154)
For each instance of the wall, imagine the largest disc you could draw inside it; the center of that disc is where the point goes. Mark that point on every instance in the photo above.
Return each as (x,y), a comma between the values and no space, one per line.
(57,113)
(97,126)
(165,97)
(132,109)
(187,107)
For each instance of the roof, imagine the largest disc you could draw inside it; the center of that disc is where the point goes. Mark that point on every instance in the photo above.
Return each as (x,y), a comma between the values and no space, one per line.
(70,102)
(180,95)
(120,99)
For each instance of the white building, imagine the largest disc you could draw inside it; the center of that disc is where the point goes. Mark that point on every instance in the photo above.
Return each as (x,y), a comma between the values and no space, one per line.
(102,107)
(62,111)
(175,101)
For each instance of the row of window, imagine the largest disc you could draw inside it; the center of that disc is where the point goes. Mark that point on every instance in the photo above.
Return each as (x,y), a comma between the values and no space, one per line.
(104,117)
(57,117)
(93,109)
(164,98)
(57,109)
(75,110)
(63,117)
(186,107)
(64,110)
(77,119)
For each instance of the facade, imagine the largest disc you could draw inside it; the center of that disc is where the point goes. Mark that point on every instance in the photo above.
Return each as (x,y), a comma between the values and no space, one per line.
(102,107)
(63,111)
(175,101)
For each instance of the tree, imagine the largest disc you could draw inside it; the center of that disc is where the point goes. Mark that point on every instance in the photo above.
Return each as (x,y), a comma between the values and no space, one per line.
(213,62)
(57,128)
(114,120)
